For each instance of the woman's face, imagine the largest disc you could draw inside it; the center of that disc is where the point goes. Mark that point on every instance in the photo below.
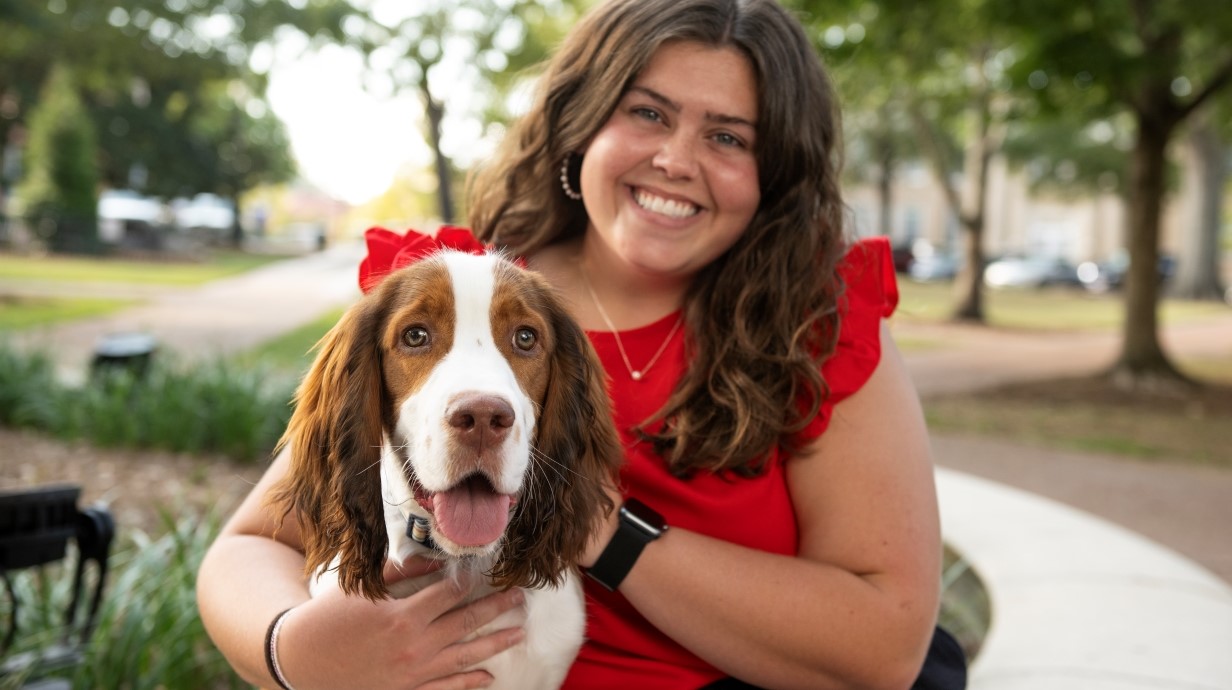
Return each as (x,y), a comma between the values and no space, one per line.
(670,181)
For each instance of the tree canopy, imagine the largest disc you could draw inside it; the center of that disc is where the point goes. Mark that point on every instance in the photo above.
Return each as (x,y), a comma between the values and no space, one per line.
(168,84)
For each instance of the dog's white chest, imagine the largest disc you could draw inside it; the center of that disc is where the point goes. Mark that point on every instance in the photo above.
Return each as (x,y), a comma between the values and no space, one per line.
(554,620)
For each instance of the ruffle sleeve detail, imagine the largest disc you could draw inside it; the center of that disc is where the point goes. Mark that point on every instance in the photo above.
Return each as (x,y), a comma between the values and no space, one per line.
(870,294)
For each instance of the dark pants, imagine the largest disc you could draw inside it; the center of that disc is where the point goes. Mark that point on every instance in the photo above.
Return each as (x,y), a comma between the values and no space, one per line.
(945,668)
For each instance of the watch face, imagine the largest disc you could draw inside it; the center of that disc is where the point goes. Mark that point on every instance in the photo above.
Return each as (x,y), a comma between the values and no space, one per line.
(643,517)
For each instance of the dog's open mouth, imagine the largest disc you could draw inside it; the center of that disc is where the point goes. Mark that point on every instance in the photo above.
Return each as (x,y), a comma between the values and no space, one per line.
(471,513)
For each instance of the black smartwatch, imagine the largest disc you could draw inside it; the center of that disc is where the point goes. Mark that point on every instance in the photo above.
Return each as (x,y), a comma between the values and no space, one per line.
(639,525)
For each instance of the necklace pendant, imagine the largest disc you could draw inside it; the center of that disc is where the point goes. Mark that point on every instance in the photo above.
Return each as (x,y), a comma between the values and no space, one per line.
(637,375)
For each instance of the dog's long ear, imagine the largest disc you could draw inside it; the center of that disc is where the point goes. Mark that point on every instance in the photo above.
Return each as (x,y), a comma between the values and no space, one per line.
(578,453)
(334,483)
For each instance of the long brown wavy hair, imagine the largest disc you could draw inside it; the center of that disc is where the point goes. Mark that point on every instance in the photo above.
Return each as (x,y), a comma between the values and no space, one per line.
(762,316)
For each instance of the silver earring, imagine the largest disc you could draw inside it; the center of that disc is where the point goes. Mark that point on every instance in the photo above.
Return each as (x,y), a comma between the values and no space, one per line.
(564,179)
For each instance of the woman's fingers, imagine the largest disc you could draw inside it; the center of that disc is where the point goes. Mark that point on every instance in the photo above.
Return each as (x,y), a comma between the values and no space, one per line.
(460,657)
(451,633)
(463,622)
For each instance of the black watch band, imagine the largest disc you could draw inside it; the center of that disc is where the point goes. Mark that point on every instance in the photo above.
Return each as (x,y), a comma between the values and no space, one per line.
(639,525)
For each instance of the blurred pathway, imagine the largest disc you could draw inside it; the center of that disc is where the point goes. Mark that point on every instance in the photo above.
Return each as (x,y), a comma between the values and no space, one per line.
(224,316)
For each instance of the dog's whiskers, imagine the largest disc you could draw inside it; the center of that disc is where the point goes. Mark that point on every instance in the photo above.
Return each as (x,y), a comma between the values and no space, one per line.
(369,467)
(556,465)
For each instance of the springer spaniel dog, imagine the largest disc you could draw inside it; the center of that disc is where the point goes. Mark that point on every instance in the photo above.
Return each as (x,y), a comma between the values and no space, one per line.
(457,411)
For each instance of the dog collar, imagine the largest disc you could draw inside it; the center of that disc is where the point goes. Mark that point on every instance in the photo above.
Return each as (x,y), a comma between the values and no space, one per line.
(417,531)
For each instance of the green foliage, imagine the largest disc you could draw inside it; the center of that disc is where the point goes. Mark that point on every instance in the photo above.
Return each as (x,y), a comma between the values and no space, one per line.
(291,352)
(216,407)
(59,190)
(149,634)
(26,385)
(108,270)
(169,86)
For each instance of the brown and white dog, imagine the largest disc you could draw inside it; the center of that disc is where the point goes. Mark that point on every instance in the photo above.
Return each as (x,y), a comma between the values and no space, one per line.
(458,393)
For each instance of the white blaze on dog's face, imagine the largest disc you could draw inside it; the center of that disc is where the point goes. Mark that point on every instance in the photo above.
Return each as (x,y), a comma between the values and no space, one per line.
(465,358)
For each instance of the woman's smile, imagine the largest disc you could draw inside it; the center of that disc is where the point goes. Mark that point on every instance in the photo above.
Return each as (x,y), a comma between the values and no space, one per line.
(669,207)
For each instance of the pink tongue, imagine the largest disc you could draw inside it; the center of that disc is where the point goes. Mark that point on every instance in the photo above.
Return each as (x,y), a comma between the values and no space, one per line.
(471,514)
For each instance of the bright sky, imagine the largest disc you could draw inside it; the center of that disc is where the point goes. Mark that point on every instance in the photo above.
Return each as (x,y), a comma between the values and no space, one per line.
(348,142)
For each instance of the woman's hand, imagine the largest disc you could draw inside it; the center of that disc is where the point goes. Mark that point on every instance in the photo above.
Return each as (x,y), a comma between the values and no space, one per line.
(340,641)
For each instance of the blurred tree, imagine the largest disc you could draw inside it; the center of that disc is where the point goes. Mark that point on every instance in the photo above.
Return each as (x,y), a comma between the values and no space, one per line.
(440,43)
(1200,256)
(59,190)
(1068,155)
(1157,61)
(939,68)
(877,130)
(172,87)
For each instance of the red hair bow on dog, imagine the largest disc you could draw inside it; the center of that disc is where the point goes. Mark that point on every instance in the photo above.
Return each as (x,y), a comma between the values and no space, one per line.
(388,251)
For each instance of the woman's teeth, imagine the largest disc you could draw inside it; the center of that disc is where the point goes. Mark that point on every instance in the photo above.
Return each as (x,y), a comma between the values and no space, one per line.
(666,207)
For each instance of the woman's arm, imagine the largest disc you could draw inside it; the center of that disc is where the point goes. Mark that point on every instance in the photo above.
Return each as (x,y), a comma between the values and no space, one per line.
(857,607)
(251,574)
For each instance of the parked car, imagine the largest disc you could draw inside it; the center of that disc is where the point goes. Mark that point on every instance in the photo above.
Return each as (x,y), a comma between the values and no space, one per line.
(1031,272)
(1109,274)
(903,256)
(207,216)
(933,267)
(129,218)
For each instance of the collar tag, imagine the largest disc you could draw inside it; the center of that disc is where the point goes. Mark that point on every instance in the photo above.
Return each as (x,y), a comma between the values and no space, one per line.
(417,530)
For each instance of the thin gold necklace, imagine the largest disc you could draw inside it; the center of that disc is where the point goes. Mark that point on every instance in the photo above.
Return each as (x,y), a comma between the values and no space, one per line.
(635,374)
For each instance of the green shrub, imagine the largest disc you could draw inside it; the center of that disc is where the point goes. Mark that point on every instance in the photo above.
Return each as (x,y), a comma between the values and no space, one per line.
(27,388)
(211,408)
(59,190)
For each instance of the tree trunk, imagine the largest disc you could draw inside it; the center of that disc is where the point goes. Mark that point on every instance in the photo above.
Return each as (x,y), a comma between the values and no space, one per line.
(969,284)
(1197,275)
(1142,362)
(237,228)
(885,183)
(436,113)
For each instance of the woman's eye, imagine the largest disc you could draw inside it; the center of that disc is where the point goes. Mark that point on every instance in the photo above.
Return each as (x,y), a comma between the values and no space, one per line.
(415,336)
(647,114)
(524,339)
(728,139)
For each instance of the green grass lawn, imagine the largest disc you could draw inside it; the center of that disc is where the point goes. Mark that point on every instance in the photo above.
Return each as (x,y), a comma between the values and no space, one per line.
(21,312)
(291,351)
(1041,310)
(82,269)
(26,312)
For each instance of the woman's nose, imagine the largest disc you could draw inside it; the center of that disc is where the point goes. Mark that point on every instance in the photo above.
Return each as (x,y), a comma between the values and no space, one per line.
(677,157)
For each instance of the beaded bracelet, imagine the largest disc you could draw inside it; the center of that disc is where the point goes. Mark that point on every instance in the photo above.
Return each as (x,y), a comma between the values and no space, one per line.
(271,651)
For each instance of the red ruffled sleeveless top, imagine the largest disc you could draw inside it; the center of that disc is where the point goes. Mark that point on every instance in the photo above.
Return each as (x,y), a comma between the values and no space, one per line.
(622,649)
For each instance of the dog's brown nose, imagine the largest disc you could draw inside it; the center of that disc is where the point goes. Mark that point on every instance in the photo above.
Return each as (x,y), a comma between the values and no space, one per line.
(481,421)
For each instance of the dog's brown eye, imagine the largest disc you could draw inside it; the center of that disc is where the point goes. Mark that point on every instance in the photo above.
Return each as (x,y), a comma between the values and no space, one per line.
(524,339)
(415,336)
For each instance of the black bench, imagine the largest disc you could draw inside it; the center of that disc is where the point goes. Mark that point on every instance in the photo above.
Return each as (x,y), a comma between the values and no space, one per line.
(35,528)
